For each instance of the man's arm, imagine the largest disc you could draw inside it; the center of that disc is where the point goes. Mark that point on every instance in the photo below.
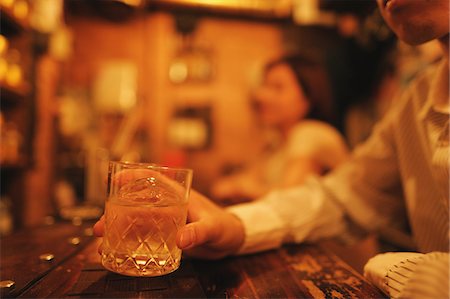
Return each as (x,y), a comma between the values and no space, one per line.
(366,190)
(289,215)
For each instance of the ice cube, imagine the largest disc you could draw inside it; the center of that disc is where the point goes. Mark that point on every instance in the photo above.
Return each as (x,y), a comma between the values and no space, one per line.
(148,191)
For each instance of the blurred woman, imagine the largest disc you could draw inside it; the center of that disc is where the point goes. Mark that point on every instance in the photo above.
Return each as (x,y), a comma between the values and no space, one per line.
(294,99)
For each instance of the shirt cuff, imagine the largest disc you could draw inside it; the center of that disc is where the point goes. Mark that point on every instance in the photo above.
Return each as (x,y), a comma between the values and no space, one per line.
(391,271)
(430,278)
(263,227)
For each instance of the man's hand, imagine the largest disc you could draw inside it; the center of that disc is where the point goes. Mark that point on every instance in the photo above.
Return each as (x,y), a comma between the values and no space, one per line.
(211,232)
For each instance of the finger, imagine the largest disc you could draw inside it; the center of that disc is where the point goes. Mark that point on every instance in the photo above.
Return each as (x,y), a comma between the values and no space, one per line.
(200,206)
(99,227)
(195,234)
(100,248)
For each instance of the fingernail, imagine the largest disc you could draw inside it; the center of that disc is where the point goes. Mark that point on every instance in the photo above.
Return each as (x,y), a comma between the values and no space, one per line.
(187,238)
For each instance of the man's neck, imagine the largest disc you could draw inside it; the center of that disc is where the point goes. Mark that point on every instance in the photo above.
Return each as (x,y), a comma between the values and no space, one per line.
(443,41)
(441,98)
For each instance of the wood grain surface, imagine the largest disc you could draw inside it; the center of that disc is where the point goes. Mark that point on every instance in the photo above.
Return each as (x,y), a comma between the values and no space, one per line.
(294,271)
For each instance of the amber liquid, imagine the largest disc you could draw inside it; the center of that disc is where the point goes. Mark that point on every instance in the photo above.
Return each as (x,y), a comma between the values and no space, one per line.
(140,239)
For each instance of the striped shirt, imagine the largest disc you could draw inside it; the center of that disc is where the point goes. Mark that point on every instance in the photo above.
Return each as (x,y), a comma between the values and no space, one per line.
(398,177)
(410,275)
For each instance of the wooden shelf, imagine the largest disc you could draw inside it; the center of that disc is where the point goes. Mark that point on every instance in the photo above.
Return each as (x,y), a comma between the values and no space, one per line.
(17,108)
(13,166)
(11,94)
(257,9)
(10,23)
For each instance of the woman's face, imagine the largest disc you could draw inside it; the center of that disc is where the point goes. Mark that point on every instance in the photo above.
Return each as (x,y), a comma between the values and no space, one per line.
(280,101)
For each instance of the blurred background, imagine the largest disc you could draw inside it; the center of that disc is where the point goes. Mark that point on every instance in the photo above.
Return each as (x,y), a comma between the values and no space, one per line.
(169,82)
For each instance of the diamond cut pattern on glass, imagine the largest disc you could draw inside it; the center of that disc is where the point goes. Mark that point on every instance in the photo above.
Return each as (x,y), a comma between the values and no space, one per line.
(141,240)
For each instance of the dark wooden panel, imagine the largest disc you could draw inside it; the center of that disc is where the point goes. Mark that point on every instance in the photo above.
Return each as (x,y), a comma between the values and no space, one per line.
(325,275)
(304,271)
(20,253)
(61,280)
(262,275)
(183,283)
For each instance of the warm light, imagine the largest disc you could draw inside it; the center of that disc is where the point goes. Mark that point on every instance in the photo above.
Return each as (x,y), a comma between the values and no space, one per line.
(178,72)
(46,16)
(115,87)
(3,44)
(188,132)
(21,9)
(307,12)
(3,68)
(131,2)
(14,75)
(6,3)
(279,7)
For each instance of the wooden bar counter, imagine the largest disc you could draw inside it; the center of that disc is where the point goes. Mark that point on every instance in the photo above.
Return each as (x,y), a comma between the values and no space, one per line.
(61,261)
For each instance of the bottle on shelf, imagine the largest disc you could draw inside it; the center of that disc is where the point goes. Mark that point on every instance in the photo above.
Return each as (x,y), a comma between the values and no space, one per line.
(11,142)
(14,73)
(4,44)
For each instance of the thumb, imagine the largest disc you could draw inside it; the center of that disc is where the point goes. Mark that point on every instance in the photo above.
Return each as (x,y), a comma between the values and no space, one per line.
(99,227)
(194,234)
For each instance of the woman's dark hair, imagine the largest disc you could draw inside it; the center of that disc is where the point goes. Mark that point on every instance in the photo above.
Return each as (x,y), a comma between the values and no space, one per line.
(311,75)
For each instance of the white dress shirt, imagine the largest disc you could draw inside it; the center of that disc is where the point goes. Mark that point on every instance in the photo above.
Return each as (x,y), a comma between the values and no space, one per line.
(399,176)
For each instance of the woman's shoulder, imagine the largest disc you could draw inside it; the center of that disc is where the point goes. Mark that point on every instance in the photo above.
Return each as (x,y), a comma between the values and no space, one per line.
(312,136)
(313,129)
(320,140)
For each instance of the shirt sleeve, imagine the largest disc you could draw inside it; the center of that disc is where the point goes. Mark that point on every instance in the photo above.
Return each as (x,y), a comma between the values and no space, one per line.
(286,216)
(367,189)
(410,275)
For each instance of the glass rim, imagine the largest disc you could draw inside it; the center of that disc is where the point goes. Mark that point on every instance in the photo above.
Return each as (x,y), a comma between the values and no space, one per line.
(151,166)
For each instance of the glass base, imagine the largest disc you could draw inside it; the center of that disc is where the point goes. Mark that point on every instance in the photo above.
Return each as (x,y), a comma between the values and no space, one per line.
(139,267)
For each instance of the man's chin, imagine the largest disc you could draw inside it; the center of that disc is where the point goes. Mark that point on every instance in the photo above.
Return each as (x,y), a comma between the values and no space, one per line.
(415,38)
(415,42)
